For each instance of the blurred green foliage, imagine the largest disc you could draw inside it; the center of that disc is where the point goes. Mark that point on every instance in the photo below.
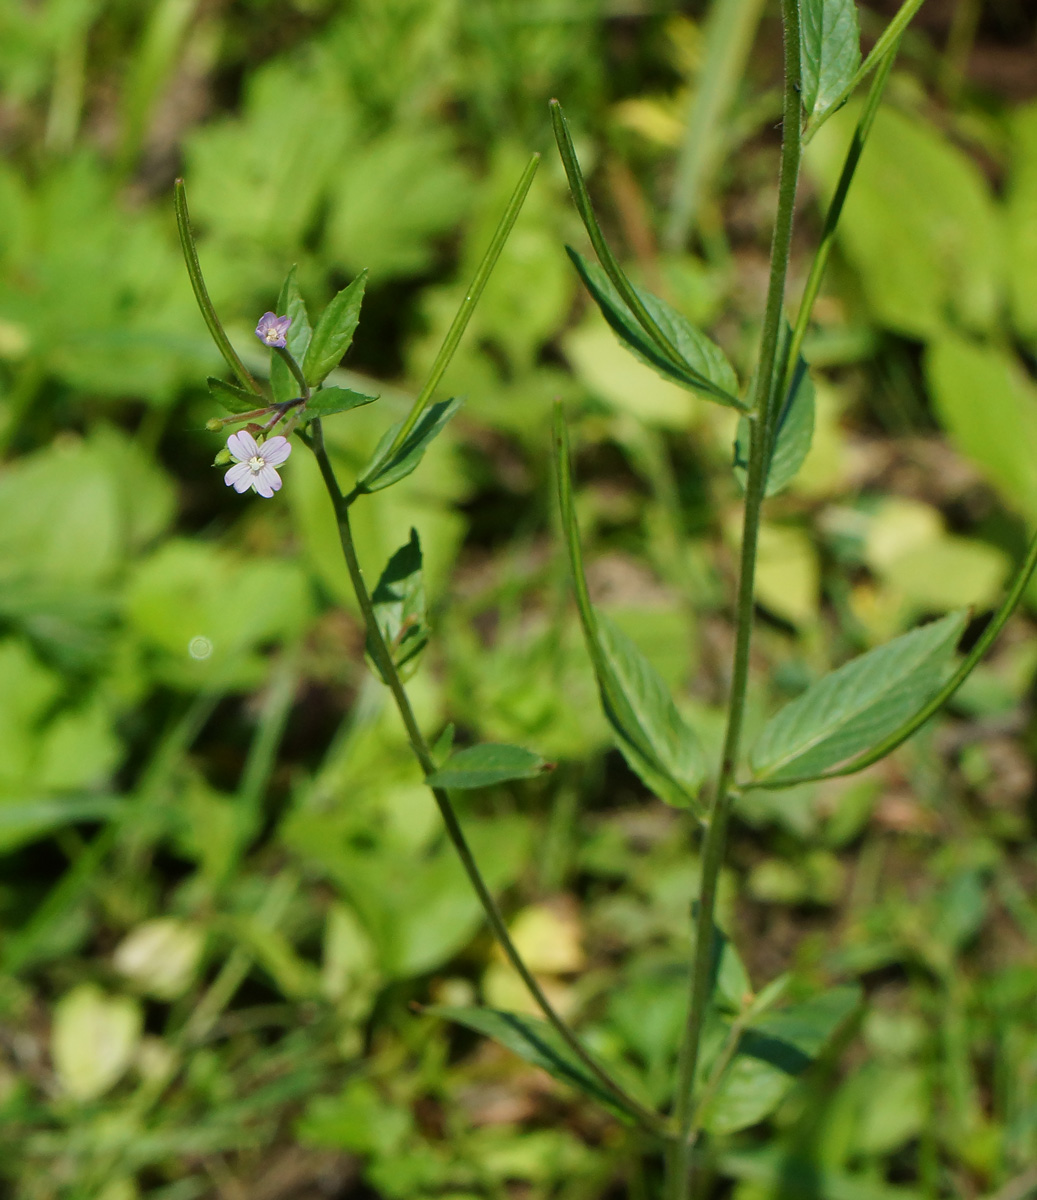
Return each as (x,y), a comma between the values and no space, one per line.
(224,883)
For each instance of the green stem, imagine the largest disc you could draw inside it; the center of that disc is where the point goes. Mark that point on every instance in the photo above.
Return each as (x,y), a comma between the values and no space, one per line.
(387,668)
(471,299)
(756,479)
(890,36)
(201,292)
(835,211)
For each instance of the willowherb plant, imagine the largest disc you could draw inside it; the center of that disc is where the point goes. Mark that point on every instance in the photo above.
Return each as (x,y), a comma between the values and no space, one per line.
(740,1048)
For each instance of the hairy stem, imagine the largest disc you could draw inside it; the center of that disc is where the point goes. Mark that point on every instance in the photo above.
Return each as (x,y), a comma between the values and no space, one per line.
(756,480)
(380,652)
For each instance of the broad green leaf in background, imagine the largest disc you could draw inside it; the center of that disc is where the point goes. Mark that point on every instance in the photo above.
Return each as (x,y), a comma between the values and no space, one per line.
(399,605)
(389,466)
(919,224)
(418,908)
(829,51)
(706,369)
(650,732)
(204,613)
(534,1041)
(290,303)
(988,404)
(1021,222)
(772,1051)
(334,332)
(483,766)
(233,398)
(331,400)
(856,706)
(93,1040)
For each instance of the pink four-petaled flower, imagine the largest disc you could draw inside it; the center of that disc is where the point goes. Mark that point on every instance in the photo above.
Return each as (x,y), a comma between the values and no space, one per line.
(272,330)
(254,464)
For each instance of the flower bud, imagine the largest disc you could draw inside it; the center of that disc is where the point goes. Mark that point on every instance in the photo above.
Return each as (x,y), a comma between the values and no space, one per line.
(214,424)
(222,458)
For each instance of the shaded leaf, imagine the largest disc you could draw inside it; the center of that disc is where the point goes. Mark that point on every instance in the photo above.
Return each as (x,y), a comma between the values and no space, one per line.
(777,1047)
(399,604)
(334,333)
(290,303)
(793,425)
(855,707)
(388,466)
(535,1042)
(650,732)
(705,368)
(830,51)
(233,398)
(482,766)
(331,400)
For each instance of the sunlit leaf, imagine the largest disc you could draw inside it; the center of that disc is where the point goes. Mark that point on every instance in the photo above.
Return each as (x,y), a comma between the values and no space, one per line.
(331,400)
(704,367)
(855,707)
(334,332)
(483,766)
(830,51)
(389,466)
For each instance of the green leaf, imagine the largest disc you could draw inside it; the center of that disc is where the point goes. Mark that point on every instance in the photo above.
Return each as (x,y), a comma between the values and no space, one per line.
(334,333)
(649,730)
(858,705)
(388,465)
(233,398)
(290,303)
(535,1042)
(793,425)
(331,400)
(999,434)
(399,604)
(829,51)
(705,370)
(771,1052)
(483,766)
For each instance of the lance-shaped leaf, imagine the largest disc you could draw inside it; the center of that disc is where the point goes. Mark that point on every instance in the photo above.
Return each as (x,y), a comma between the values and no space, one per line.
(858,705)
(334,333)
(399,605)
(483,766)
(233,398)
(535,1042)
(648,729)
(792,425)
(291,304)
(331,400)
(703,366)
(389,465)
(776,1047)
(830,51)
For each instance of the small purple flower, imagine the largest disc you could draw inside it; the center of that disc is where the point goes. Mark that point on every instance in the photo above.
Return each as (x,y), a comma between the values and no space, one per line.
(254,463)
(271,329)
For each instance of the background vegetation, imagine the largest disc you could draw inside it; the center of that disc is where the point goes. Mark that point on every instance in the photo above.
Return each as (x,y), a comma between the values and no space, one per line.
(224,888)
